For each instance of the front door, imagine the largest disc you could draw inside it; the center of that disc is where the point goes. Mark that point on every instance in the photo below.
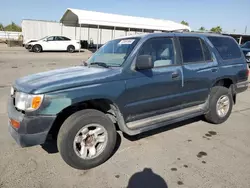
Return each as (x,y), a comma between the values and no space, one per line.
(50,44)
(154,91)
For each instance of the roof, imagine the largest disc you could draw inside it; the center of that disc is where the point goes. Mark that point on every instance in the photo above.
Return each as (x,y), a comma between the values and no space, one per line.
(84,17)
(187,34)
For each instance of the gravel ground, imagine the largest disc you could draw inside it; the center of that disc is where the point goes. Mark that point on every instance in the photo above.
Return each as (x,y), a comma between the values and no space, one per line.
(189,154)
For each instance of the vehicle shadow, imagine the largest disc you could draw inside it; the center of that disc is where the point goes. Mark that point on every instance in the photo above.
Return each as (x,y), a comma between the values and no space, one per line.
(162,129)
(146,178)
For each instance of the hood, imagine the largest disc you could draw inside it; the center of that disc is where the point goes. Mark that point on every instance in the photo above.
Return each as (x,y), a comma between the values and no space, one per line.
(65,78)
(245,50)
(29,41)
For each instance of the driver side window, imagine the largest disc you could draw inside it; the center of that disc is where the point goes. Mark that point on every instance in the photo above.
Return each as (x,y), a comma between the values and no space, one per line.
(50,38)
(161,50)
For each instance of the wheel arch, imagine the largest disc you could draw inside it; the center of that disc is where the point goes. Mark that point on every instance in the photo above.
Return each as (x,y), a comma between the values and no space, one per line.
(105,105)
(227,82)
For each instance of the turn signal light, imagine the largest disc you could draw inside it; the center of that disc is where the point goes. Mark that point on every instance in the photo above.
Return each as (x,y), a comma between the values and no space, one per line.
(36,102)
(14,123)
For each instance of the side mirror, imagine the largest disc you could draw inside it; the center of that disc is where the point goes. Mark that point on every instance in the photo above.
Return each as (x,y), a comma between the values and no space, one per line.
(144,62)
(45,40)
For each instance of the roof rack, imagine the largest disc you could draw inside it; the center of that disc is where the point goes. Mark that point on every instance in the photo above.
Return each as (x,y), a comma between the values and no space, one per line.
(179,31)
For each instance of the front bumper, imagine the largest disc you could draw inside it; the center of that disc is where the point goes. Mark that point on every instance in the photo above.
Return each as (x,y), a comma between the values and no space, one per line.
(33,130)
(28,46)
(248,60)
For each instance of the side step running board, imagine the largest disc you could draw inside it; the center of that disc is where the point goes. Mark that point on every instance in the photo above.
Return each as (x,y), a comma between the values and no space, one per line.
(165,118)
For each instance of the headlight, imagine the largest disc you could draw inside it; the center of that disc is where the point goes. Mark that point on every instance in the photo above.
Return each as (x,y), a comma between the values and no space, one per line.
(12,91)
(27,102)
(248,54)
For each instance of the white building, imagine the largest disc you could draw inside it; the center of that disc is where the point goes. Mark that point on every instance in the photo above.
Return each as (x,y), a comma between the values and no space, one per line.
(96,26)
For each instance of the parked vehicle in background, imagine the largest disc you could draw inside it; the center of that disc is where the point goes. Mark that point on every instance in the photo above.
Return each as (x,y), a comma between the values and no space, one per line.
(134,84)
(26,43)
(246,50)
(53,43)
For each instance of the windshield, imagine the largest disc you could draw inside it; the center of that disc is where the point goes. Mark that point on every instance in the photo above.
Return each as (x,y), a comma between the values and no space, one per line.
(114,52)
(246,45)
(43,38)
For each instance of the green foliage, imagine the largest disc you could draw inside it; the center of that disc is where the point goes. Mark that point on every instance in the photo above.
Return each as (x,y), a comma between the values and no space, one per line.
(217,29)
(13,27)
(202,29)
(184,23)
(1,27)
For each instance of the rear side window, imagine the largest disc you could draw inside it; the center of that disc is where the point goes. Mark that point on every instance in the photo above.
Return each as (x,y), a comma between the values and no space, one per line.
(191,49)
(227,47)
(65,38)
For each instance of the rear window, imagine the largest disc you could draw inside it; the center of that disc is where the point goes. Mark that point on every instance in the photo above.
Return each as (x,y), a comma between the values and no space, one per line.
(227,47)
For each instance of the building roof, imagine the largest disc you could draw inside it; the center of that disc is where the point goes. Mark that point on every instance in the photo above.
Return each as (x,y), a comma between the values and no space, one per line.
(76,17)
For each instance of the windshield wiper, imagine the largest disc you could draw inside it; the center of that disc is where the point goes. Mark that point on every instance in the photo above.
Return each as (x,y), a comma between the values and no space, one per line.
(101,64)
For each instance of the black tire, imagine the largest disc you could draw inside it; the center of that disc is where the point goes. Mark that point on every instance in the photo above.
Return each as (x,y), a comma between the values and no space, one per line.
(37,48)
(71,49)
(216,93)
(69,130)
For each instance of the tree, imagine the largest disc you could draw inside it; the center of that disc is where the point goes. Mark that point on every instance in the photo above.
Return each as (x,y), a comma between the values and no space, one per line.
(184,23)
(1,27)
(13,27)
(202,29)
(217,29)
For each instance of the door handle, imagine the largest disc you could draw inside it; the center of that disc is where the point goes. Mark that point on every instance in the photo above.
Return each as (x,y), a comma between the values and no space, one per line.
(175,75)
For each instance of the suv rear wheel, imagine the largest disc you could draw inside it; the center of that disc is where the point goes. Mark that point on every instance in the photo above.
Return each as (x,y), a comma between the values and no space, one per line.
(220,105)
(86,139)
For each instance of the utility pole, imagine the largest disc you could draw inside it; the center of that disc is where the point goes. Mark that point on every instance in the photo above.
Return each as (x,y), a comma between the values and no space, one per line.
(245,29)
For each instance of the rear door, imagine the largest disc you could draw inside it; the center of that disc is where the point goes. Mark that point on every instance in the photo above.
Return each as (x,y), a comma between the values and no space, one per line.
(62,43)
(157,90)
(200,68)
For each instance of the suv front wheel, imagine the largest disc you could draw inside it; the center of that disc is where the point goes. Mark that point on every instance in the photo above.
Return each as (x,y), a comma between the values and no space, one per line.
(86,139)
(220,105)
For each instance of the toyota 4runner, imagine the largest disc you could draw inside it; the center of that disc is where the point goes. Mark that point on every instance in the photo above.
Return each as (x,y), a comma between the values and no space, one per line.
(132,84)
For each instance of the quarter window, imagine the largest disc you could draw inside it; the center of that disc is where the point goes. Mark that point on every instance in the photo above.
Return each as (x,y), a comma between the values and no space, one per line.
(161,50)
(227,47)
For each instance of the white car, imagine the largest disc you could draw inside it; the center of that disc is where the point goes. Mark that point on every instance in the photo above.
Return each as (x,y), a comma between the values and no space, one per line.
(54,43)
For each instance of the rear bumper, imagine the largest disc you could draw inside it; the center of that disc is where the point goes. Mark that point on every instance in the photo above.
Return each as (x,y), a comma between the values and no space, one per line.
(241,86)
(33,130)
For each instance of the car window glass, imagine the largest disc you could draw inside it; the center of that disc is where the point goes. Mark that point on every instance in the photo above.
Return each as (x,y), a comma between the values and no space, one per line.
(207,53)
(65,38)
(50,38)
(248,44)
(161,50)
(227,47)
(58,38)
(191,49)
